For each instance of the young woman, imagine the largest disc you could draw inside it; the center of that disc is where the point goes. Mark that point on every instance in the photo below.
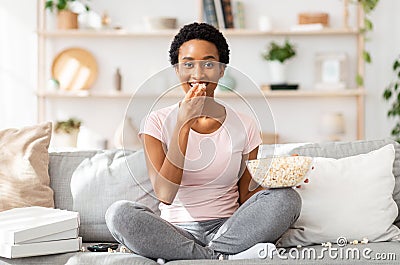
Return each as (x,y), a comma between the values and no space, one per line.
(195,153)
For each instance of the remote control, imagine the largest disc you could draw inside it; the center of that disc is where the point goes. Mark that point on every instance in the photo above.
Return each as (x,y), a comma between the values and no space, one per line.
(102,247)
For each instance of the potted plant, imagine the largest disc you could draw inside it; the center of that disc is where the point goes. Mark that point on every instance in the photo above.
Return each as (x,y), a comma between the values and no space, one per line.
(66,18)
(66,133)
(277,55)
(392,91)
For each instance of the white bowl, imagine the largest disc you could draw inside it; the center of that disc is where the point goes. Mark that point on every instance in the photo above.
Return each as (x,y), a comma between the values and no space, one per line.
(157,23)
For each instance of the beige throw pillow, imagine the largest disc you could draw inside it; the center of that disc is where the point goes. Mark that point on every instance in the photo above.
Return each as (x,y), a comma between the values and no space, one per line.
(24,161)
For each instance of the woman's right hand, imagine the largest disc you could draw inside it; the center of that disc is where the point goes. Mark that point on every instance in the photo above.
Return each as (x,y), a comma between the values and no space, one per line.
(192,105)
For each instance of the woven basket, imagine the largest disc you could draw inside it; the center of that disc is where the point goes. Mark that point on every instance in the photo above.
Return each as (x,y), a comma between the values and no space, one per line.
(312,18)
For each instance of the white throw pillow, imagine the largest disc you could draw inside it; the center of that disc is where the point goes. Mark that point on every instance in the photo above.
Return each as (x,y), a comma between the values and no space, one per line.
(349,197)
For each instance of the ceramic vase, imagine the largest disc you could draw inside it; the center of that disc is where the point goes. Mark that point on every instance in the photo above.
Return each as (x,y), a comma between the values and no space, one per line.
(63,139)
(277,72)
(67,20)
(126,136)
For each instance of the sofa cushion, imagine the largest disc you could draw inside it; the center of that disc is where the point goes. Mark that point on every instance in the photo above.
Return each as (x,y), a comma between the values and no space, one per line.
(349,197)
(89,182)
(24,159)
(61,167)
(340,150)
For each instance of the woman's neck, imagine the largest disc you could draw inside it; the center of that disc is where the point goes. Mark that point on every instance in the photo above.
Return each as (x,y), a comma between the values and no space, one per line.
(213,109)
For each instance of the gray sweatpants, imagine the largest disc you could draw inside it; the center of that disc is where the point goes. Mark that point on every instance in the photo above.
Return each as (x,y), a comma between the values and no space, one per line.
(262,218)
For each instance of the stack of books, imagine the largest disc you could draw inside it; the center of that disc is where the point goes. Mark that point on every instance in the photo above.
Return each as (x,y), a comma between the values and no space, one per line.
(35,231)
(220,14)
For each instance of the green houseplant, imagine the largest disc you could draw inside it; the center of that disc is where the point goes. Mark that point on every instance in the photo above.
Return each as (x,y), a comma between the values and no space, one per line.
(61,4)
(281,53)
(277,55)
(392,93)
(66,19)
(67,126)
(66,133)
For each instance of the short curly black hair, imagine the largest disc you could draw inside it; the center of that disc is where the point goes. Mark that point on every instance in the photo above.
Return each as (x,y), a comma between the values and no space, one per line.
(199,31)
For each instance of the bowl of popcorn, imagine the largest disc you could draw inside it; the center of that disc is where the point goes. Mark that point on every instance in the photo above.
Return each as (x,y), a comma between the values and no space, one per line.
(279,171)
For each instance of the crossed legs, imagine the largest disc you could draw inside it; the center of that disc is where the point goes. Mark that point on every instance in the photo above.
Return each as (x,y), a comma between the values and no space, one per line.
(262,218)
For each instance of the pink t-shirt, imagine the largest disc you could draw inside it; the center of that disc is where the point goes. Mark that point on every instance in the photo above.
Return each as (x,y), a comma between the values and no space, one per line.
(211,169)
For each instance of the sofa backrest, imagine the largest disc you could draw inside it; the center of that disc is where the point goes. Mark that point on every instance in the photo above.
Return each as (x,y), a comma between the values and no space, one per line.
(90,181)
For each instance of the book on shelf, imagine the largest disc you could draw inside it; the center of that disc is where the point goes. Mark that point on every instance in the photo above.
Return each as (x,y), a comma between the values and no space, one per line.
(40,248)
(238,15)
(31,223)
(220,14)
(210,15)
(228,14)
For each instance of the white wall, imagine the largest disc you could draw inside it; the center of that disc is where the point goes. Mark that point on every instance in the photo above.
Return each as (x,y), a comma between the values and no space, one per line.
(18,63)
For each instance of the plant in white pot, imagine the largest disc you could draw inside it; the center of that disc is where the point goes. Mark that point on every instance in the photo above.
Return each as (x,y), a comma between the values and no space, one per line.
(66,133)
(67,17)
(277,55)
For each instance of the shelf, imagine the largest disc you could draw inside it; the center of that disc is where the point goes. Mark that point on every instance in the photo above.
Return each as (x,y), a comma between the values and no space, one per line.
(47,37)
(83,94)
(105,33)
(170,33)
(328,31)
(268,94)
(314,93)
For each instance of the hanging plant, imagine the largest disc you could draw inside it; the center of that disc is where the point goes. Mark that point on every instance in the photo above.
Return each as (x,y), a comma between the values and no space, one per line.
(368,6)
(390,92)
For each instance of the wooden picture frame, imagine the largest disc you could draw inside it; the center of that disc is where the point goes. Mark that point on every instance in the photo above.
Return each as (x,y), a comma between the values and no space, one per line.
(331,70)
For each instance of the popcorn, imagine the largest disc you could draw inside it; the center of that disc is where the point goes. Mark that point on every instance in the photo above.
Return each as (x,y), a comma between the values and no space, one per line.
(327,244)
(354,242)
(122,249)
(278,172)
(364,240)
(83,249)
(110,250)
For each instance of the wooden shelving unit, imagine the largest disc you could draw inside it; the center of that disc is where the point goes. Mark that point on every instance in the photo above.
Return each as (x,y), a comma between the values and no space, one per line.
(45,35)
(83,94)
(268,94)
(314,93)
(170,33)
